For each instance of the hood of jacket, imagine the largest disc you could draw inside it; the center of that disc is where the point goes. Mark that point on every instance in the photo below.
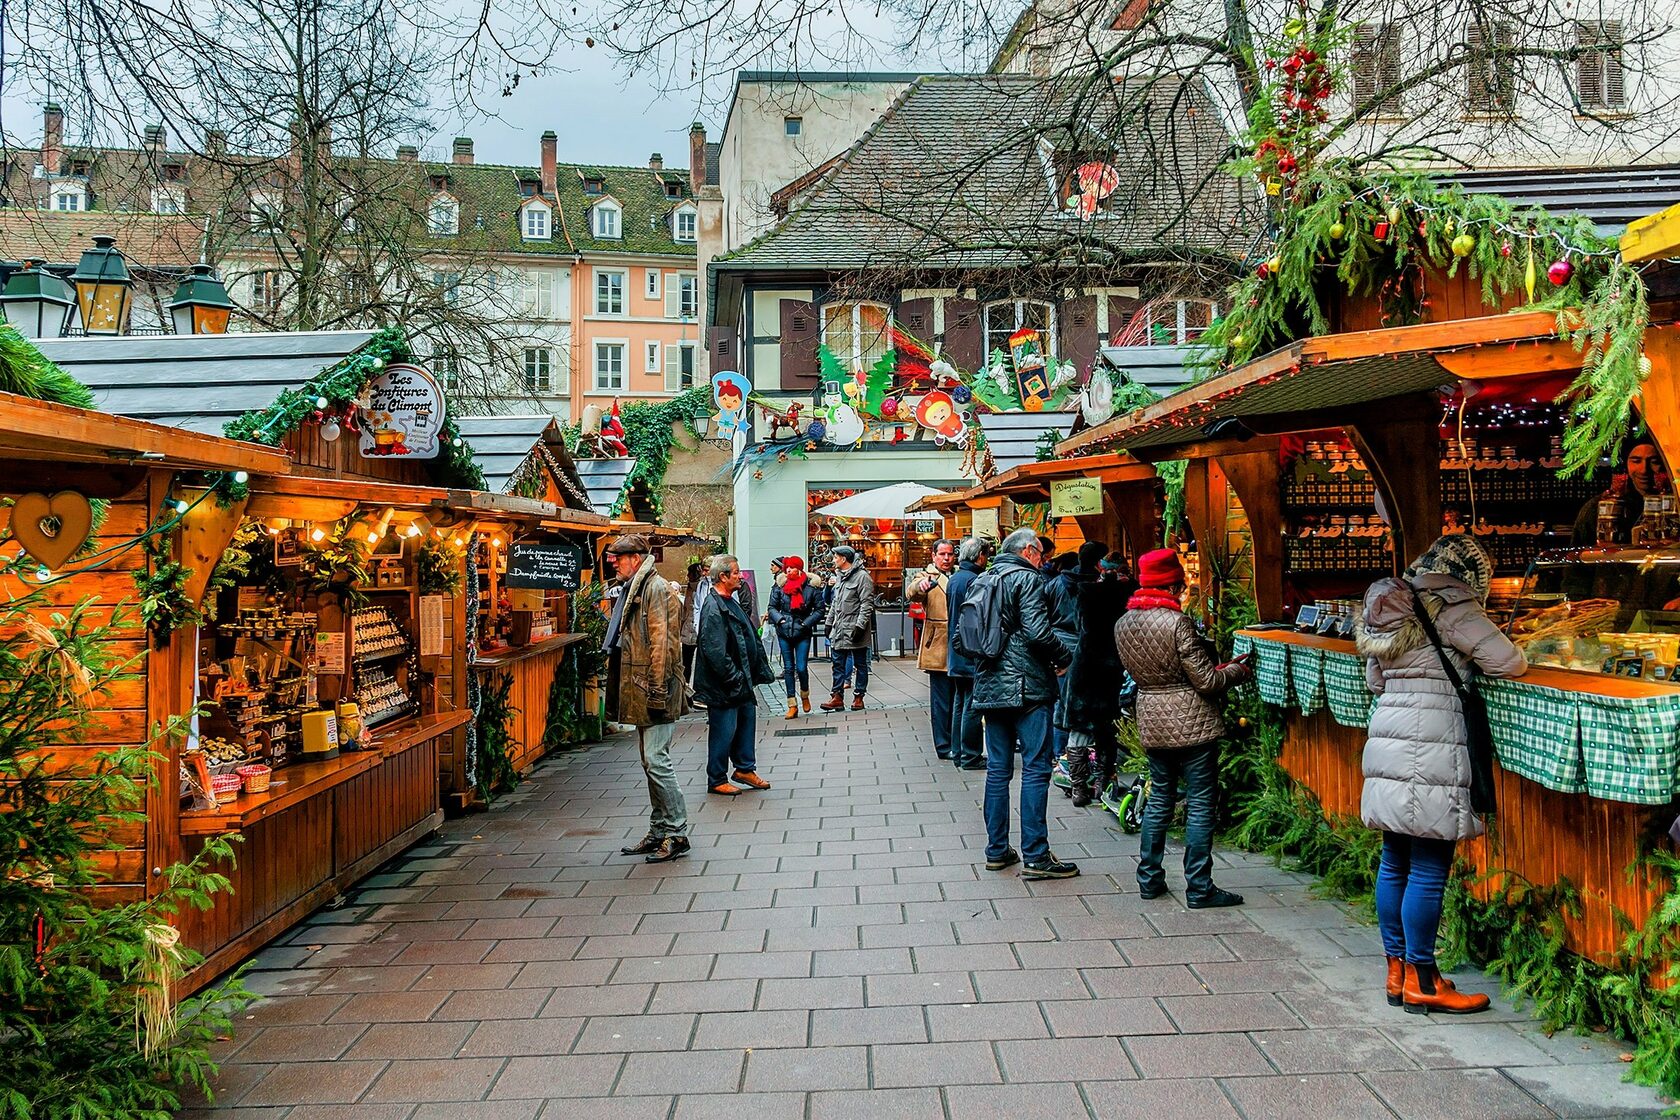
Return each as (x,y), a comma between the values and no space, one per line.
(1388,628)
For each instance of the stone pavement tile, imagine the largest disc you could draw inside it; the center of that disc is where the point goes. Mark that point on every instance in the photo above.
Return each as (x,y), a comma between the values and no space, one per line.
(1301,914)
(920,988)
(598,925)
(1329,1096)
(1453,1045)
(911,935)
(860,962)
(806,1069)
(443,952)
(462,977)
(1331,1050)
(1247,1011)
(618,999)
(230,1083)
(478,1110)
(626,945)
(734,1106)
(708,922)
(1031,984)
(864,1026)
(1016,1102)
(455,1079)
(875,914)
(508,1037)
(582,1075)
(390,1007)
(996,930)
(313,1083)
(720,941)
(1069,954)
(877,1104)
(644,970)
(358,980)
(1104,928)
(1176,921)
(1255,976)
(1467,1094)
(1342,974)
(411,1040)
(1285,945)
(284,1011)
(301,1043)
(976,958)
(1363,1007)
(1063,1059)
(620,1033)
(1190,949)
(1183,1099)
(507,1003)
(564,973)
(680,1071)
(1585,1090)
(934,1063)
(987,1021)
(1571,1049)
(1142,980)
(1097,1017)
(278,956)
(704,995)
(523,949)
(797,939)
(295,982)
(820,992)
(604,1108)
(1207,1055)
(735,1030)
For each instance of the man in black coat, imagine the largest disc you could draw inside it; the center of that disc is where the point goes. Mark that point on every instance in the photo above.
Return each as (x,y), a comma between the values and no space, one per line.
(968,751)
(728,661)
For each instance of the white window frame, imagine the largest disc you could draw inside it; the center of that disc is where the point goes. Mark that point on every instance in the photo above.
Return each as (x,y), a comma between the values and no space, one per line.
(446,367)
(855,310)
(536,222)
(449,286)
(539,294)
(537,370)
(68,198)
(265,291)
(652,283)
(674,352)
(1019,319)
(622,277)
(443,217)
(169,200)
(265,209)
(650,357)
(601,348)
(793,126)
(598,214)
(680,283)
(692,234)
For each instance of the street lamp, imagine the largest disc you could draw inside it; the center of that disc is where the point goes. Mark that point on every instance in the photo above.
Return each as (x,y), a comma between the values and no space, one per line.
(36,302)
(104,289)
(702,425)
(201,304)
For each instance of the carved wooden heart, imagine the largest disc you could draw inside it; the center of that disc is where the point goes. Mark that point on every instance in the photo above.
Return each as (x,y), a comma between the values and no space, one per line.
(52,529)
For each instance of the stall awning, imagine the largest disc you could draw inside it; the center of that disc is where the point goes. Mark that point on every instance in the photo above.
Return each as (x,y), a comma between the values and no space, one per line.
(501,443)
(1299,387)
(30,428)
(1030,482)
(1160,369)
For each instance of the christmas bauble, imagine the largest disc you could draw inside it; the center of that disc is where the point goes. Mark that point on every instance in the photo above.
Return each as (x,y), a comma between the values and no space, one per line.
(1286,163)
(889,407)
(330,430)
(1236,340)
(1394,215)
(1033,404)
(816,431)
(1559,272)
(1644,367)
(1337,229)
(1463,245)
(1274,265)
(962,394)
(1242,721)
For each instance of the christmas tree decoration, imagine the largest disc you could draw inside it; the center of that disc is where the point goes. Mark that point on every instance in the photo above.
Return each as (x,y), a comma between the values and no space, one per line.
(1559,272)
(330,430)
(1463,245)
(889,408)
(1528,273)
(1337,231)
(816,432)
(877,383)
(1394,215)
(1380,231)
(962,394)
(729,393)
(1644,367)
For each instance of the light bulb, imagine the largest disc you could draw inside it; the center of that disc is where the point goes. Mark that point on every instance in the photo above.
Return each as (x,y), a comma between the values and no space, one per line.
(330,430)
(181,506)
(373,538)
(241,477)
(318,535)
(43,573)
(497,541)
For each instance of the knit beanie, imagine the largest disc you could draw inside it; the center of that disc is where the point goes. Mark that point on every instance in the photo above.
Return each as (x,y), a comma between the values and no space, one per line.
(1459,556)
(1159,569)
(1090,555)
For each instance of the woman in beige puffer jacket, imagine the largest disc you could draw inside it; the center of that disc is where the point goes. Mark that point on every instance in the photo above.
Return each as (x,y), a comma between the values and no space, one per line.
(1417,762)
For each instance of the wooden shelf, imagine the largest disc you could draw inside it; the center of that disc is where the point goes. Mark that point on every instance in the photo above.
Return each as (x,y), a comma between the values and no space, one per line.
(503,658)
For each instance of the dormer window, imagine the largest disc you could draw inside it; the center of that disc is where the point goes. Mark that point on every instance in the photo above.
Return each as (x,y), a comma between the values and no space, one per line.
(174,172)
(440,182)
(684,223)
(79,167)
(604,220)
(443,218)
(528,188)
(69,198)
(1083,182)
(265,209)
(673,188)
(534,221)
(593,184)
(168,200)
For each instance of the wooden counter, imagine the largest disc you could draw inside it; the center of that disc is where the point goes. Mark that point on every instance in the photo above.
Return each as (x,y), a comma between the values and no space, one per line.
(512,655)
(532,668)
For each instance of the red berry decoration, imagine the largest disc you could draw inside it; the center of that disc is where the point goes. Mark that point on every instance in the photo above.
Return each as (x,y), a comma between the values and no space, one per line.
(889,407)
(1559,273)
(1286,163)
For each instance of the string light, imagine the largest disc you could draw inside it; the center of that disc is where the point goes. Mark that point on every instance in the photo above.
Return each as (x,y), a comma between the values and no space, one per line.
(241,477)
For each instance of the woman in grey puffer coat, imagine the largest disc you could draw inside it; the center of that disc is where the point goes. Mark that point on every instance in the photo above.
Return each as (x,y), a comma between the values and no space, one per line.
(1417,761)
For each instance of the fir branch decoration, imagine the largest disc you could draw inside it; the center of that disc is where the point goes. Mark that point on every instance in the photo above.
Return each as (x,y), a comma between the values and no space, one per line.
(568,723)
(438,569)
(495,770)
(164,604)
(24,370)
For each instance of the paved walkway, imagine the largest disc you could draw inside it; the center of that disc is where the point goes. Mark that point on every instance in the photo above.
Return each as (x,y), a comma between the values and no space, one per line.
(834,949)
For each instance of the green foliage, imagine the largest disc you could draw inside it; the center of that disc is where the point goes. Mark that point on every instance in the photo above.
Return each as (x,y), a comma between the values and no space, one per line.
(438,569)
(80,1006)
(568,723)
(650,435)
(164,604)
(829,367)
(234,565)
(495,721)
(24,370)
(878,382)
(338,564)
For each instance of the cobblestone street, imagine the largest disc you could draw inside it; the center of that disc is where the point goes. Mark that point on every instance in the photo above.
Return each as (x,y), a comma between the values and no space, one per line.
(834,948)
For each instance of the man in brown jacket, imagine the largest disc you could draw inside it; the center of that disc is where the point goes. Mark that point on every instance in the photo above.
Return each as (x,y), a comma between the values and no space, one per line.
(933,657)
(645,682)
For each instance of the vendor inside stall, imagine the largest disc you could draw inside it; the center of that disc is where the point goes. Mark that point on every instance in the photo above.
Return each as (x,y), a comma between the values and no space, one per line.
(1613,516)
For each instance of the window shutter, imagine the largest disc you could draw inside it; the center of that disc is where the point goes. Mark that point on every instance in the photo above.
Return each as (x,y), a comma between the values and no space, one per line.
(916,317)
(1076,322)
(1477,97)
(1615,80)
(673,298)
(801,332)
(1364,63)
(720,346)
(1388,69)
(963,343)
(1589,66)
(673,368)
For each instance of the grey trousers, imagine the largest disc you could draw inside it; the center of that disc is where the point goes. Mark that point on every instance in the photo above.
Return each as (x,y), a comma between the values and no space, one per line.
(670,811)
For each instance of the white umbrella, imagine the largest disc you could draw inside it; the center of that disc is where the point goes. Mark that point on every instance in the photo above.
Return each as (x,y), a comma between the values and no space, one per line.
(888,502)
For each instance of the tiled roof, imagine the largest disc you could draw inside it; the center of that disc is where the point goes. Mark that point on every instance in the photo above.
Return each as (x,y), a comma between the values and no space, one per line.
(953,175)
(1611,196)
(1163,369)
(646,221)
(604,480)
(1013,437)
(500,443)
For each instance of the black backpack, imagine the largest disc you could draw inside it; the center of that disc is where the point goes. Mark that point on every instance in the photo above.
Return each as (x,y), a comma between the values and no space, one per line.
(979,629)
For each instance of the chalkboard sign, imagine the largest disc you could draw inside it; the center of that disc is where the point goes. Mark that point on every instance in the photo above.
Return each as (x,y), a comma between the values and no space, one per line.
(552,567)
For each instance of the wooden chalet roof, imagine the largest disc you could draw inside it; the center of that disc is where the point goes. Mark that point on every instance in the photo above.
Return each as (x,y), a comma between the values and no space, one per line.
(39,429)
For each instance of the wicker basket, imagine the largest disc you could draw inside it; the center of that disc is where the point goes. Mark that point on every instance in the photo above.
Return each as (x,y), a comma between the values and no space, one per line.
(225,785)
(256,777)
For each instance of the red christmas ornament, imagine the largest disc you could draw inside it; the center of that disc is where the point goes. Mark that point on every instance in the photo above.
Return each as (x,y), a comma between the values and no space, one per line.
(1286,163)
(889,407)
(1380,231)
(1559,273)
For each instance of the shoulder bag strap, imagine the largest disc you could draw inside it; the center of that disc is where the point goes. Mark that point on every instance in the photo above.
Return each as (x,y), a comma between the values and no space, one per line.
(1435,640)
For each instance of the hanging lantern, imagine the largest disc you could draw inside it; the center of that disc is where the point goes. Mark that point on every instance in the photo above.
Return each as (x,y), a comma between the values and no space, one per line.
(36,302)
(104,288)
(201,304)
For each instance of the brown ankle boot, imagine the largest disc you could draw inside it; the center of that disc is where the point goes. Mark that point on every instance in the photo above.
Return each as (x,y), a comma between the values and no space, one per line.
(857,702)
(1425,990)
(835,702)
(793,709)
(1396,980)
(805,700)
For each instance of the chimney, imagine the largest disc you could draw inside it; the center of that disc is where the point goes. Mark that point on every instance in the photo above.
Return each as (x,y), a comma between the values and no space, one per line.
(52,137)
(463,149)
(215,142)
(656,162)
(407,153)
(550,157)
(697,156)
(154,138)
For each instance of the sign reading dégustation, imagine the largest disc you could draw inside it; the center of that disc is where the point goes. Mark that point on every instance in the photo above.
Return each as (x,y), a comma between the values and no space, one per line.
(402,414)
(1075,497)
(551,567)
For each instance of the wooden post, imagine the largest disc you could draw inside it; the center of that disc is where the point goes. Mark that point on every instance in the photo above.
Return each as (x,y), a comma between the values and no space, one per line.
(1400,443)
(1659,398)
(1253,478)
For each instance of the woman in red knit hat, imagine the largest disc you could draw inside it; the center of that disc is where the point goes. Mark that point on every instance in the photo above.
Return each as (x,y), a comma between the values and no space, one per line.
(796,610)
(1179,725)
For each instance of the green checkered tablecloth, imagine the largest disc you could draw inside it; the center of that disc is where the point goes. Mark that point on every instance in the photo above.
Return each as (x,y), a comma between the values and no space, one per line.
(1306,678)
(1536,733)
(1344,689)
(1271,669)
(1628,746)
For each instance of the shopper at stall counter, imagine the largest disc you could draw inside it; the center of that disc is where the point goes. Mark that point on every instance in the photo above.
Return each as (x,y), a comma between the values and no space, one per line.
(1091,689)
(645,684)
(933,652)
(851,624)
(1643,475)
(1416,764)
(729,662)
(1179,725)
(796,610)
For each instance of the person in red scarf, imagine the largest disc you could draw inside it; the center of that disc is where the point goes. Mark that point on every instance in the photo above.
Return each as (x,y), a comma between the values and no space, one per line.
(1179,725)
(796,610)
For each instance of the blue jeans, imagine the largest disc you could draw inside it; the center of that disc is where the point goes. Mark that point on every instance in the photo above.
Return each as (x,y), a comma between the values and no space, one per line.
(967,746)
(795,663)
(1031,726)
(847,661)
(1198,768)
(1410,881)
(729,738)
(939,700)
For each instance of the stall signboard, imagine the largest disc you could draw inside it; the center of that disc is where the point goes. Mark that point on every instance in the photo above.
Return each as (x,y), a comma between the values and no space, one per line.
(1075,497)
(985,523)
(402,414)
(553,567)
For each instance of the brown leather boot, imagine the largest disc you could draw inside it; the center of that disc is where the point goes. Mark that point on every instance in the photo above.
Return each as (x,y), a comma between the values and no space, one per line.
(857,702)
(1424,991)
(805,700)
(1397,980)
(835,702)
(793,709)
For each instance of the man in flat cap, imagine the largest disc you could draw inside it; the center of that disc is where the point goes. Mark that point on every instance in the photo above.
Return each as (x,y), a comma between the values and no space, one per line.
(645,684)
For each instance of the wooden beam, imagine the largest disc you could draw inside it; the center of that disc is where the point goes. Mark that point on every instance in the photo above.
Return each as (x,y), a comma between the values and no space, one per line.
(1413,406)
(300,508)
(1253,478)
(1402,455)
(1208,449)
(1659,396)
(28,422)
(1517,359)
(1653,237)
(1423,337)
(206,529)
(103,480)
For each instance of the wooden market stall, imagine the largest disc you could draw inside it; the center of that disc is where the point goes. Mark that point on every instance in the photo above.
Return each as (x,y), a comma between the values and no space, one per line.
(1310,457)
